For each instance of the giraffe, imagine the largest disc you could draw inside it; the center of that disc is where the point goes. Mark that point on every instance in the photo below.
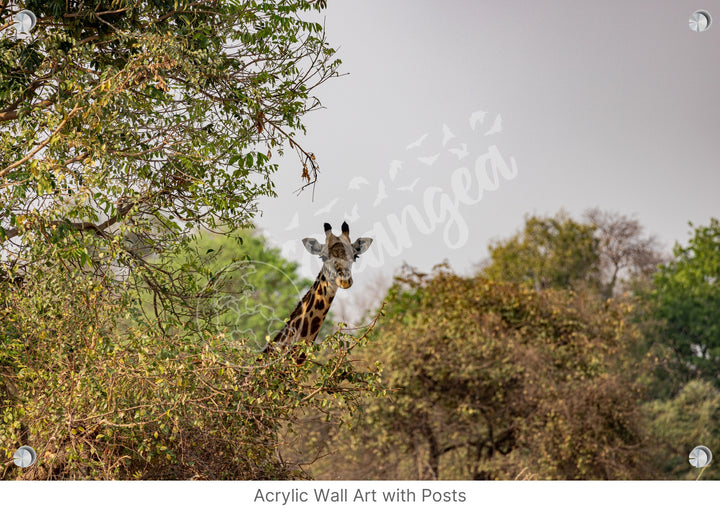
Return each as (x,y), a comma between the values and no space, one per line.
(338,255)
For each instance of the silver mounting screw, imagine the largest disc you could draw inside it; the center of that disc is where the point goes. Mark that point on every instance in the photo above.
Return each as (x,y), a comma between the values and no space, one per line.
(700,21)
(700,457)
(25,457)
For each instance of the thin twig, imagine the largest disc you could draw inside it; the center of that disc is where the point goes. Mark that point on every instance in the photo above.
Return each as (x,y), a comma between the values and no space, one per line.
(41,145)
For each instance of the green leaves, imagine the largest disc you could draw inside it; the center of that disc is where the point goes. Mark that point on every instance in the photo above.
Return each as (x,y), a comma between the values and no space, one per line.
(105,396)
(126,127)
(493,380)
(690,418)
(548,252)
(686,298)
(171,106)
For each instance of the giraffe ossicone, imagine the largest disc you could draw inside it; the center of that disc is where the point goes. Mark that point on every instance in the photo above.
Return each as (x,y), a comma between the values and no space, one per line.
(338,254)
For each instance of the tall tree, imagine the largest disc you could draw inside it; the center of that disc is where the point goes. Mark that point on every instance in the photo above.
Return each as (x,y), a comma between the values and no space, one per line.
(548,252)
(686,301)
(494,380)
(608,252)
(126,123)
(626,255)
(125,126)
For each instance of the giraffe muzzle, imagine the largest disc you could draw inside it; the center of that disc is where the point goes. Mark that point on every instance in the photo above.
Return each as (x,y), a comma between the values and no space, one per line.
(344,282)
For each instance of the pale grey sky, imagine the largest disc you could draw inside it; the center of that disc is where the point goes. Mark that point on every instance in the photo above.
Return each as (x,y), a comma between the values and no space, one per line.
(608,104)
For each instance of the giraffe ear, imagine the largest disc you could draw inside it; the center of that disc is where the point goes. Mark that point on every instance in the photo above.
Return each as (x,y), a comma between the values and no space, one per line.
(361,245)
(313,246)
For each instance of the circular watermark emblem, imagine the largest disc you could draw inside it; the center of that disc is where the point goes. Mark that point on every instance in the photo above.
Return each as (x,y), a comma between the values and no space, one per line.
(700,457)
(700,21)
(248,302)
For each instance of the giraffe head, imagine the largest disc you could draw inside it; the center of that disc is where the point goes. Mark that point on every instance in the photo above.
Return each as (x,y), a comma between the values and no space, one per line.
(338,254)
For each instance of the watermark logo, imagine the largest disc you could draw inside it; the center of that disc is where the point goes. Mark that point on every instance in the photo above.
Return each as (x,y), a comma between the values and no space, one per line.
(248,301)
(425,190)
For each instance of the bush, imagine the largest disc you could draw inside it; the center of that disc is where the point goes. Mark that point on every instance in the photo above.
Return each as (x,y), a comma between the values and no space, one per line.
(99,396)
(494,380)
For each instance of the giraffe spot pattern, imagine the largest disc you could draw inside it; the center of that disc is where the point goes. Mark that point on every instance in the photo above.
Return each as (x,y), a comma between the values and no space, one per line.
(315,327)
(305,321)
(305,327)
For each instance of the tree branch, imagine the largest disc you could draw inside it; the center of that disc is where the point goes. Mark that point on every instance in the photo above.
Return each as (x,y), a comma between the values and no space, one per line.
(83,226)
(40,145)
(12,114)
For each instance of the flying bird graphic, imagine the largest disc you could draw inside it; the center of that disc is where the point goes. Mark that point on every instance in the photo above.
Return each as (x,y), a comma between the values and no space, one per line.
(326,209)
(461,152)
(418,142)
(357,182)
(353,216)
(382,193)
(496,127)
(395,167)
(294,223)
(475,117)
(410,187)
(447,135)
(428,160)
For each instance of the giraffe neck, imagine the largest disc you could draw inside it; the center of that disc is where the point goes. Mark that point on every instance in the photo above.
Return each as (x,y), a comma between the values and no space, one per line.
(307,318)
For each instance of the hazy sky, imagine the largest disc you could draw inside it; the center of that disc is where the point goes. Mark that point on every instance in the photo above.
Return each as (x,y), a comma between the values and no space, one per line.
(585,103)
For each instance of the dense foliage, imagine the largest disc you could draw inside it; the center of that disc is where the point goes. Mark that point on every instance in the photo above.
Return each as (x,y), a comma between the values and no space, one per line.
(686,299)
(511,378)
(493,380)
(130,337)
(254,288)
(100,397)
(548,252)
(125,127)
(606,252)
(681,423)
